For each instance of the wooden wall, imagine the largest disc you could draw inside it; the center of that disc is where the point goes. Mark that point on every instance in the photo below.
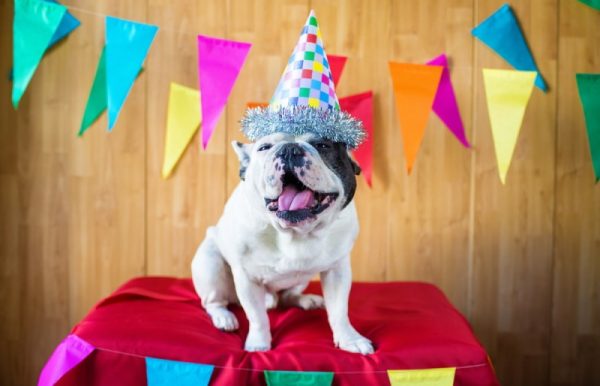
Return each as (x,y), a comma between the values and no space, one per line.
(79,216)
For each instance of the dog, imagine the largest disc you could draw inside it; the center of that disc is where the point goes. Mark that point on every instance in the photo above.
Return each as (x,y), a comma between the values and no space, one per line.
(292,216)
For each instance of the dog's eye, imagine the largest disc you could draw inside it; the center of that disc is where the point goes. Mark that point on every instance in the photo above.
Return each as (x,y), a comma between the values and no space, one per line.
(322,145)
(265,146)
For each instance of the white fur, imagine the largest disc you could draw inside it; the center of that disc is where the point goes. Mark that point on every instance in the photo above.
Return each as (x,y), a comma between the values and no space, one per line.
(254,258)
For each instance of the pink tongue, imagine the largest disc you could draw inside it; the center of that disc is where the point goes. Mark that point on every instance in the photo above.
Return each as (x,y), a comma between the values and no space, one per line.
(291,199)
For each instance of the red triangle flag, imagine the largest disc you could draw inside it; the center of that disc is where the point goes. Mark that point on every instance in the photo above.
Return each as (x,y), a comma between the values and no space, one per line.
(360,106)
(336,64)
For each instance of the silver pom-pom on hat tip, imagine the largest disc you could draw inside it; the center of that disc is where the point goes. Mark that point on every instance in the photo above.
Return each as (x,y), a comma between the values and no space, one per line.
(332,124)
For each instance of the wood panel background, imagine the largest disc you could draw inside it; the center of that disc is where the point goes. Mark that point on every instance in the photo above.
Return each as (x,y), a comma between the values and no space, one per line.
(79,216)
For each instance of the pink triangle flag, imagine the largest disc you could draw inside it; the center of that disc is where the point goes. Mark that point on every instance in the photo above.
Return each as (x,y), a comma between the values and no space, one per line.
(69,353)
(336,63)
(445,105)
(360,106)
(219,63)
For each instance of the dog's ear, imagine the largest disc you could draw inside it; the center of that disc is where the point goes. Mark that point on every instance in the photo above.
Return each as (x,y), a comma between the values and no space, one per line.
(355,166)
(243,152)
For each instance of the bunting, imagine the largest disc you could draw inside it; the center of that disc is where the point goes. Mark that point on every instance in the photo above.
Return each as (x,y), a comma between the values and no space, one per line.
(426,377)
(592,3)
(415,86)
(162,372)
(127,44)
(589,94)
(34,26)
(445,105)
(501,32)
(360,106)
(219,63)
(69,353)
(183,119)
(298,378)
(336,65)
(507,94)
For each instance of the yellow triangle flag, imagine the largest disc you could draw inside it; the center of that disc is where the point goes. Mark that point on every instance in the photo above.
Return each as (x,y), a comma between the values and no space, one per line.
(183,120)
(507,94)
(426,377)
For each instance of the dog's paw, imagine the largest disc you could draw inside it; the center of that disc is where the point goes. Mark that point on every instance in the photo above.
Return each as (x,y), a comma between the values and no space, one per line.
(306,302)
(271,300)
(357,344)
(257,341)
(224,320)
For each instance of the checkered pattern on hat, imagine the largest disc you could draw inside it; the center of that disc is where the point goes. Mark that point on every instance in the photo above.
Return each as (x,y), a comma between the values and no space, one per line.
(307,79)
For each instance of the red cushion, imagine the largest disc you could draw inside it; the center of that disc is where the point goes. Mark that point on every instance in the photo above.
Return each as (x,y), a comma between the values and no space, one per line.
(411,324)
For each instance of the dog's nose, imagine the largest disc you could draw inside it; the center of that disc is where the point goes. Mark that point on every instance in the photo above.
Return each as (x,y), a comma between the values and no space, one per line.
(291,153)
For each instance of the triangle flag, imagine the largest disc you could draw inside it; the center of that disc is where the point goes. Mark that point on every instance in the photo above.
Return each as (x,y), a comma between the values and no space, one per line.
(162,372)
(336,64)
(304,378)
(97,101)
(69,353)
(501,32)
(507,93)
(66,26)
(427,377)
(34,25)
(592,3)
(589,93)
(219,63)
(360,106)
(127,44)
(415,86)
(445,105)
(183,120)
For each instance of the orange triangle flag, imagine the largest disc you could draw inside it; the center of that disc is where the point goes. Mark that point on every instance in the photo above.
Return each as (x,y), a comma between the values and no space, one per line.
(415,86)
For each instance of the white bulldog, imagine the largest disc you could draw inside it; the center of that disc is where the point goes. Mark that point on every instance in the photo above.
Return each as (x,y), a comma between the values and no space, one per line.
(290,218)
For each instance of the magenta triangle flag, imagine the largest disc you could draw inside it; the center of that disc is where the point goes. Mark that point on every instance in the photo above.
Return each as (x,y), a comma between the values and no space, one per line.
(445,105)
(69,353)
(219,63)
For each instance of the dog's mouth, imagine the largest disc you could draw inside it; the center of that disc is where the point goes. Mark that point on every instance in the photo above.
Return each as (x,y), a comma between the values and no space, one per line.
(297,202)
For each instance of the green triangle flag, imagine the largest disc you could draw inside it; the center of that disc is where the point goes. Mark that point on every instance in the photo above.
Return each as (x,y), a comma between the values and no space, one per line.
(34,25)
(298,378)
(589,93)
(97,101)
(592,3)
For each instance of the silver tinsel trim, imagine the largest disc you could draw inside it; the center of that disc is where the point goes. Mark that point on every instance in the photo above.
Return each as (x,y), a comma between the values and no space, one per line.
(335,125)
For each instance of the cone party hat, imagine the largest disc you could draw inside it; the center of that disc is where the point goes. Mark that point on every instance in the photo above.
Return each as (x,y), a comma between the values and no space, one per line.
(305,100)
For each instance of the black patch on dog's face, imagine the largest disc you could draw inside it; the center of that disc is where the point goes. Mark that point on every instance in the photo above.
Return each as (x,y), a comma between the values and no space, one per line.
(335,156)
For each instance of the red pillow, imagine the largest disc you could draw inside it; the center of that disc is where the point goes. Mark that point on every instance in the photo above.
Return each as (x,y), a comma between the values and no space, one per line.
(412,325)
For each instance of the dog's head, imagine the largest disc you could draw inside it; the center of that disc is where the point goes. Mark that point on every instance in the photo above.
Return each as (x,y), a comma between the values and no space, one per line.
(303,181)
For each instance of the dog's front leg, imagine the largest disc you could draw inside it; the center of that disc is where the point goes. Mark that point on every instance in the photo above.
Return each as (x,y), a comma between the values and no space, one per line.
(336,284)
(252,299)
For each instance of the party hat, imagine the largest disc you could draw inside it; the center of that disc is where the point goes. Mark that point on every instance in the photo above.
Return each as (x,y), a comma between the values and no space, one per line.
(305,100)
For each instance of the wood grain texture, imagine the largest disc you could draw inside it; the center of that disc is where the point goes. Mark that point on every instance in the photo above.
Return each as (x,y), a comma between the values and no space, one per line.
(576,302)
(79,216)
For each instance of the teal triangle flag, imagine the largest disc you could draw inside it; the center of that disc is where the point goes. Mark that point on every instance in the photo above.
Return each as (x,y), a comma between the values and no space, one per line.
(127,44)
(502,33)
(589,93)
(162,372)
(66,26)
(97,101)
(298,378)
(34,25)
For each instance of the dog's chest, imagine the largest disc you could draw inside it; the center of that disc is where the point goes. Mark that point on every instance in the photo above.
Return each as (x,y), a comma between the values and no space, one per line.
(281,262)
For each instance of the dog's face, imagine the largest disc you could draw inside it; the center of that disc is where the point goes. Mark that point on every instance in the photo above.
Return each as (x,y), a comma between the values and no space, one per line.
(303,182)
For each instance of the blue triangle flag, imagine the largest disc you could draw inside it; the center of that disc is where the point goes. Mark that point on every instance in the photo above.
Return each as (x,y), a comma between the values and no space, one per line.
(502,33)
(66,26)
(162,372)
(127,44)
